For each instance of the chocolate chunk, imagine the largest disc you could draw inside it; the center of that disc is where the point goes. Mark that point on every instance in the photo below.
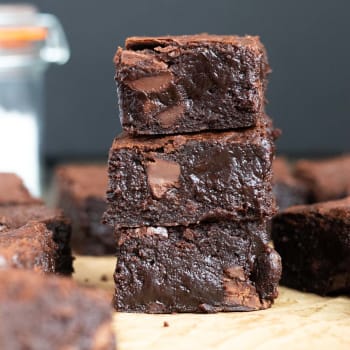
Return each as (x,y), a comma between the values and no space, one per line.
(162,175)
(155,83)
(168,117)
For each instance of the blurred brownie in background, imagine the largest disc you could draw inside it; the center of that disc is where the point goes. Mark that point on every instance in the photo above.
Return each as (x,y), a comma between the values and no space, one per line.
(181,84)
(314,244)
(13,191)
(35,236)
(80,190)
(53,313)
(327,179)
(287,189)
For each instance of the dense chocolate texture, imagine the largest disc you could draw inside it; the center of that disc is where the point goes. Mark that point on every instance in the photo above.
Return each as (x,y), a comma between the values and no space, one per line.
(80,190)
(327,179)
(185,179)
(52,313)
(181,84)
(210,267)
(287,189)
(314,243)
(13,191)
(32,247)
(57,233)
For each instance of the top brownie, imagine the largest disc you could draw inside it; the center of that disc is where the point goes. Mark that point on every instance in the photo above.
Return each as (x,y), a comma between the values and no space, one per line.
(180,84)
(13,191)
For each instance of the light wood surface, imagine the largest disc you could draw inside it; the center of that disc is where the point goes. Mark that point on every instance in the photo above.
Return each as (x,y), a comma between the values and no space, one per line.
(296,321)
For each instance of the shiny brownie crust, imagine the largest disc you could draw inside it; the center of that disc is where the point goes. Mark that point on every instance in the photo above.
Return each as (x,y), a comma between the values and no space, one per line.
(314,243)
(181,84)
(210,267)
(186,179)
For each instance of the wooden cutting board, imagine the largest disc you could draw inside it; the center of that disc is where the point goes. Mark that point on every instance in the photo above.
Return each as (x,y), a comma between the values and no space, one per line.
(296,321)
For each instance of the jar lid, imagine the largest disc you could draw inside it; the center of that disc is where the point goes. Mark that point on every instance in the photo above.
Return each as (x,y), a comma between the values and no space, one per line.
(25,31)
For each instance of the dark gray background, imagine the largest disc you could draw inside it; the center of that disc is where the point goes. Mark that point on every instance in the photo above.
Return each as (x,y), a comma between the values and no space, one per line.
(307,42)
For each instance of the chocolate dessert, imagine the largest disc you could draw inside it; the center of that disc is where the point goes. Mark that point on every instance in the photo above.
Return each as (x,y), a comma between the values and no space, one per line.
(327,179)
(210,267)
(287,189)
(53,313)
(55,235)
(181,84)
(13,191)
(80,190)
(314,243)
(185,179)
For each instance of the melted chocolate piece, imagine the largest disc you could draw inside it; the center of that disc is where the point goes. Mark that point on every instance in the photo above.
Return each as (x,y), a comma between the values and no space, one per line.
(205,82)
(314,243)
(223,175)
(210,267)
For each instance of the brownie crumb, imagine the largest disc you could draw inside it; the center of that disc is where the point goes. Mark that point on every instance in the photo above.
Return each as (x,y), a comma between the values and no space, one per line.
(86,280)
(165,324)
(104,278)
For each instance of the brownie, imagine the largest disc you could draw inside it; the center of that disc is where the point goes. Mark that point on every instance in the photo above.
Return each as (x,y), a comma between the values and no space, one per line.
(314,243)
(327,179)
(57,233)
(185,179)
(80,190)
(181,84)
(209,267)
(288,190)
(53,313)
(13,191)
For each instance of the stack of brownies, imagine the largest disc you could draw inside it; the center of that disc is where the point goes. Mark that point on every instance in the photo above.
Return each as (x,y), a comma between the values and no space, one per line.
(190,179)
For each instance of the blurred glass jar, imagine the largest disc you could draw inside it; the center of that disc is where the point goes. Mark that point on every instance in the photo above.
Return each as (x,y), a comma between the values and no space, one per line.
(29,41)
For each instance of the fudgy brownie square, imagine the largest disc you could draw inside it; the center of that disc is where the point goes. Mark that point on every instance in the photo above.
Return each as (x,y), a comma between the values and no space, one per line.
(57,234)
(13,191)
(32,247)
(288,190)
(185,179)
(314,243)
(210,267)
(181,84)
(53,313)
(327,179)
(80,190)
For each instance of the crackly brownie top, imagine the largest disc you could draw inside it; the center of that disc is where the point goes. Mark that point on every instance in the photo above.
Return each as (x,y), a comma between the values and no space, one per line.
(335,209)
(13,191)
(82,180)
(15,216)
(261,135)
(137,42)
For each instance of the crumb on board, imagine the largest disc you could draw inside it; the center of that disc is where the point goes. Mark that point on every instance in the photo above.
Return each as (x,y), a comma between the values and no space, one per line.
(86,280)
(165,324)
(104,278)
